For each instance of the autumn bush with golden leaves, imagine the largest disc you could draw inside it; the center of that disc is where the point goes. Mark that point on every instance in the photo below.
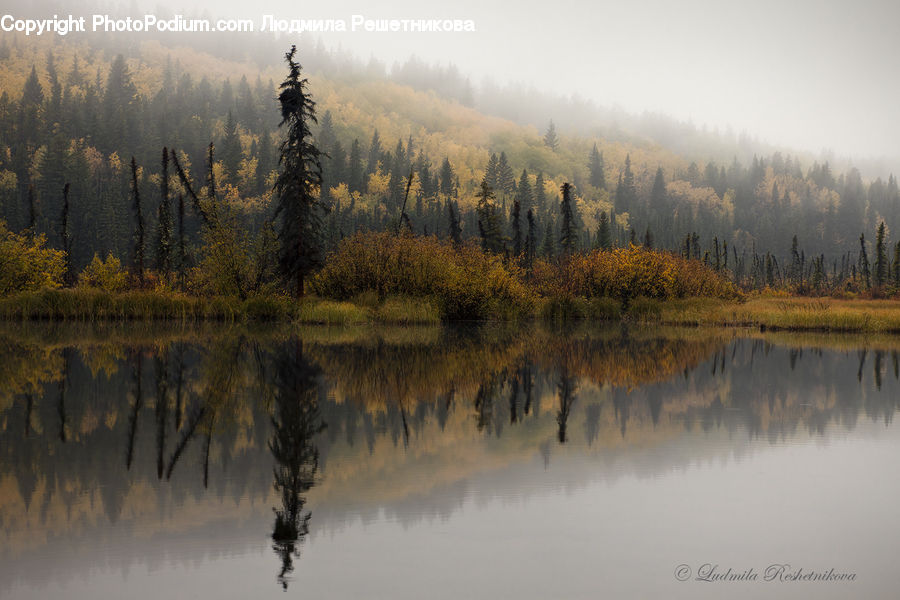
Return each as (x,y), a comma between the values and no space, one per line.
(464,282)
(628,273)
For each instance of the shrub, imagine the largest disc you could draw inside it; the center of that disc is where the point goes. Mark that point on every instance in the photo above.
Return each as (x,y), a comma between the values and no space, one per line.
(627,273)
(25,265)
(106,275)
(464,282)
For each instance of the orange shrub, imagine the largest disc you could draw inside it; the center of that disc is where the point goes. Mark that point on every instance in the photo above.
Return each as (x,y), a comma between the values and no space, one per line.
(625,273)
(464,282)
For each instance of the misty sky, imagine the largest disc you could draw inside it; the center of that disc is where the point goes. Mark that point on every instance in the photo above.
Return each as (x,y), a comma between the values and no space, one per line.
(812,74)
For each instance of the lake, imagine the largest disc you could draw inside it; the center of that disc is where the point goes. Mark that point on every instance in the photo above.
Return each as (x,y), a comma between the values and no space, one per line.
(491,461)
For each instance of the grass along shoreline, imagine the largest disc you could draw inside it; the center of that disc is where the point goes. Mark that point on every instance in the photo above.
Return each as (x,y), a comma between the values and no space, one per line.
(765,312)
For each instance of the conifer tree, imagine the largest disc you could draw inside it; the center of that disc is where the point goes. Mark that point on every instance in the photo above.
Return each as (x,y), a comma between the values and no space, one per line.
(164,222)
(895,266)
(658,192)
(568,233)
(298,181)
(603,240)
(489,221)
(881,259)
(64,234)
(231,149)
(448,188)
(530,240)
(374,154)
(548,247)
(626,192)
(491,172)
(540,194)
(596,167)
(863,263)
(523,192)
(355,174)
(516,225)
(506,181)
(139,224)
(455,230)
(182,244)
(551,140)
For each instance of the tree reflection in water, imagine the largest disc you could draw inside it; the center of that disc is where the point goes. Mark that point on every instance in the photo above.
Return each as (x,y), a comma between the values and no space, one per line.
(295,423)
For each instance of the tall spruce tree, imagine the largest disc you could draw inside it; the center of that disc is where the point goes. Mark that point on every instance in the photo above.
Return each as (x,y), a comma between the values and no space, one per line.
(881,258)
(658,192)
(64,234)
(231,149)
(551,140)
(863,263)
(595,165)
(626,192)
(489,221)
(530,240)
(568,232)
(139,224)
(164,222)
(515,218)
(603,241)
(454,228)
(298,181)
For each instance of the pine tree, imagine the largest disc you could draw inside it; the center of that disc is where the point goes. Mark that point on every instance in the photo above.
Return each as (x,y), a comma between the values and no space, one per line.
(164,222)
(895,267)
(626,192)
(355,174)
(568,233)
(551,140)
(648,243)
(489,221)
(231,149)
(595,165)
(64,234)
(603,240)
(863,263)
(491,172)
(455,230)
(139,224)
(658,192)
(374,154)
(548,247)
(182,244)
(516,225)
(796,269)
(523,192)
(530,240)
(540,195)
(881,259)
(506,181)
(448,188)
(298,181)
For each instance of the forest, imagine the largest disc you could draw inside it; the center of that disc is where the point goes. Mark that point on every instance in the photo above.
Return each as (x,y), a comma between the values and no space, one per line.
(148,168)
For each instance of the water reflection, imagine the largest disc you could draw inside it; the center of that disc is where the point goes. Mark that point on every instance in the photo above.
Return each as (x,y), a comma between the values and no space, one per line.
(295,423)
(142,429)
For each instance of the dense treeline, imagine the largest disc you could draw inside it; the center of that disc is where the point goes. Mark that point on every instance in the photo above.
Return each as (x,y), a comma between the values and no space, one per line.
(69,130)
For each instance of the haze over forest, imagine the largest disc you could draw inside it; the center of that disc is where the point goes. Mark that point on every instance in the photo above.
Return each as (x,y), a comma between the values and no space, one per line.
(585,106)
(808,75)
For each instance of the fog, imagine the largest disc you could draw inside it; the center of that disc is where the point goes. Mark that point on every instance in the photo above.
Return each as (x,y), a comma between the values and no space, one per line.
(809,74)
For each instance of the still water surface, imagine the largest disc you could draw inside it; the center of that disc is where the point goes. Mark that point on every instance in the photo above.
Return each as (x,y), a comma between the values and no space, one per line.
(478,462)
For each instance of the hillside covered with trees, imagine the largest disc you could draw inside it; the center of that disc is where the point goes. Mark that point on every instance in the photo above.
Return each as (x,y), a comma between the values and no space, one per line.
(109,153)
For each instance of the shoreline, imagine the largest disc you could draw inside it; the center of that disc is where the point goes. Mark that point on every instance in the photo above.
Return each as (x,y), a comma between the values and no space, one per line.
(764,312)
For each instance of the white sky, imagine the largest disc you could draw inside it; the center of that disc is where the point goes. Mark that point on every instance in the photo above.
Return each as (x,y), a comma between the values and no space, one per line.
(811,74)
